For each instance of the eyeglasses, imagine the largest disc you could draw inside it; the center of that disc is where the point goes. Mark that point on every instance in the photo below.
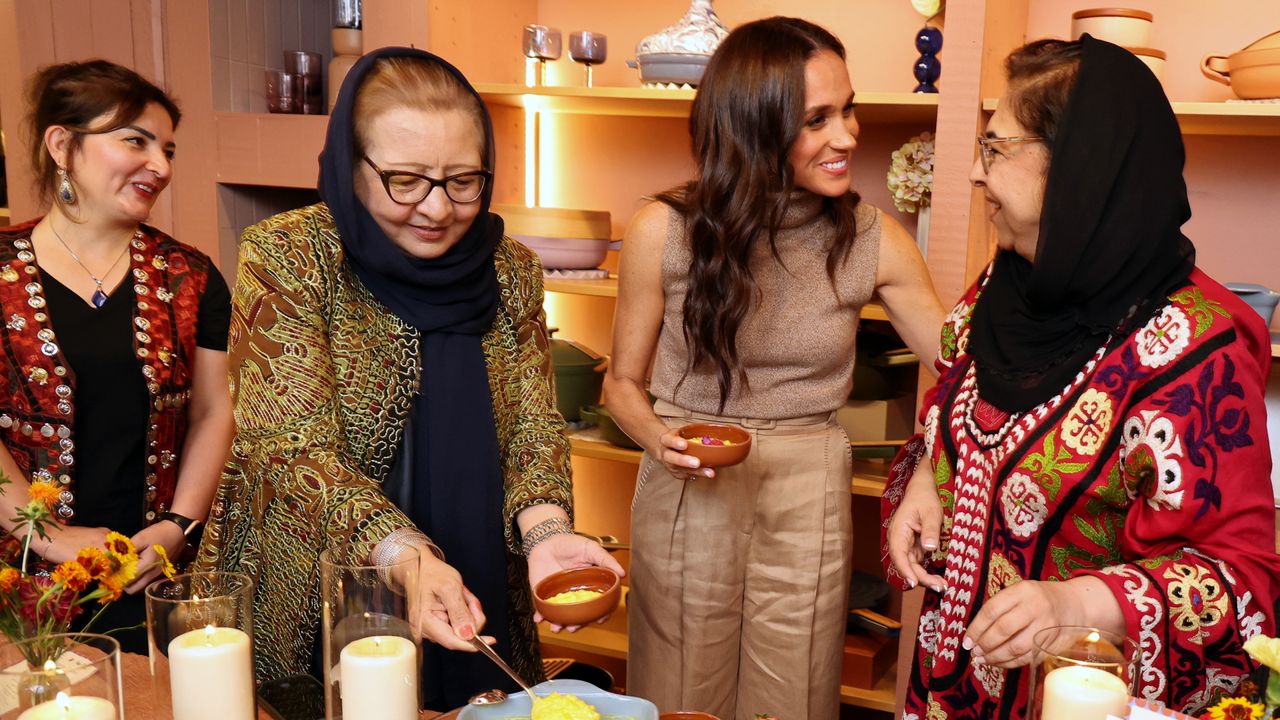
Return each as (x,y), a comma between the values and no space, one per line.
(407,188)
(989,154)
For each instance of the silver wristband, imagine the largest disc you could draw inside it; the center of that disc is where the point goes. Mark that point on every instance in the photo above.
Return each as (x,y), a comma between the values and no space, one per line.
(543,530)
(386,552)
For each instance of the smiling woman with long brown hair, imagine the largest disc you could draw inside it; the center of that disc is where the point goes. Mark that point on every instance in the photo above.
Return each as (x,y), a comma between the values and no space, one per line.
(744,288)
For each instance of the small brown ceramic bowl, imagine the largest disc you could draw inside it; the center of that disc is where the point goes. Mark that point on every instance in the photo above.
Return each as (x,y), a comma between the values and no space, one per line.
(716,455)
(687,715)
(602,580)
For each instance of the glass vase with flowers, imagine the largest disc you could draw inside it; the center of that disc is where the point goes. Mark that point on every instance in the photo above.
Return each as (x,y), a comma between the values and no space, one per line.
(37,609)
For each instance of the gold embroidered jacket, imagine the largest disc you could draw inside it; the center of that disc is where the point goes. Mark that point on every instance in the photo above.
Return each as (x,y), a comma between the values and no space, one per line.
(323,377)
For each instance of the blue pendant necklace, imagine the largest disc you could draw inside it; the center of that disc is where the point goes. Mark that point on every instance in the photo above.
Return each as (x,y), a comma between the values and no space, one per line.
(99,297)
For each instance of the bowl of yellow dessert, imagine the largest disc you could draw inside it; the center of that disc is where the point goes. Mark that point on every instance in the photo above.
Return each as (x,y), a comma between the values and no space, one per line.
(578,596)
(716,444)
(565,700)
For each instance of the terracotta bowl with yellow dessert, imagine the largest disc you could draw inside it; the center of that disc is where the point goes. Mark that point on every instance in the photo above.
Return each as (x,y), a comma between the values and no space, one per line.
(716,445)
(578,596)
(564,700)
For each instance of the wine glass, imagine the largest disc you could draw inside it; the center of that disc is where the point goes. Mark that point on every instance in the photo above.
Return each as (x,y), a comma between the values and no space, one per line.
(588,48)
(541,43)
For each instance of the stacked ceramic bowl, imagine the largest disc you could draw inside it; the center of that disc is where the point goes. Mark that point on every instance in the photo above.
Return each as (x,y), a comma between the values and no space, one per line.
(563,239)
(1128,28)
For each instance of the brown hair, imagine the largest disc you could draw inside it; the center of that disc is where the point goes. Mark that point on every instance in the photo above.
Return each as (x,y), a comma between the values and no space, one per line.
(75,94)
(1041,77)
(748,112)
(413,82)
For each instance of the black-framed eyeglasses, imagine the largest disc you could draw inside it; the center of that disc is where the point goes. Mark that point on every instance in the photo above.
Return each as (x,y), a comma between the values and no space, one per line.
(409,188)
(988,153)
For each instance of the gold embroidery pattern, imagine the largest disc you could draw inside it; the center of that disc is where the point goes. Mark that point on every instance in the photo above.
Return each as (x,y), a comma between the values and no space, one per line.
(323,378)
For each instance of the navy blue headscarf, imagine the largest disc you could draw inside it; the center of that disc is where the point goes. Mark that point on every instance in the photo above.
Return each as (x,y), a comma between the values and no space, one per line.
(456,484)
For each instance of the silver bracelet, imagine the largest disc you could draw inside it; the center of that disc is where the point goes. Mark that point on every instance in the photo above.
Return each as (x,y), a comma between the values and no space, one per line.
(544,530)
(386,552)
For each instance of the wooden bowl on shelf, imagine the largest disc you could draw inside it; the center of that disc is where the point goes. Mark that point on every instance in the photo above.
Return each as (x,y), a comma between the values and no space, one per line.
(601,580)
(734,443)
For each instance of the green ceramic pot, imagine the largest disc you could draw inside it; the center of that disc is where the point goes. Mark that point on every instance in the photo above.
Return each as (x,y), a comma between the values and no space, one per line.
(579,376)
(609,430)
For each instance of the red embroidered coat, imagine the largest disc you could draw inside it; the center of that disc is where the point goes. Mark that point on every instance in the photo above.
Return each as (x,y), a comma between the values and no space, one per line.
(37,402)
(1151,472)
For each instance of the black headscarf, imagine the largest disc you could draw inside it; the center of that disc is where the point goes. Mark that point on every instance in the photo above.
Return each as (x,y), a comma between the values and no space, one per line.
(1111,246)
(457,485)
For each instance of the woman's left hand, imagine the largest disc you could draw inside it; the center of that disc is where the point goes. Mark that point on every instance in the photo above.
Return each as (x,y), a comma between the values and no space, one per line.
(162,533)
(566,552)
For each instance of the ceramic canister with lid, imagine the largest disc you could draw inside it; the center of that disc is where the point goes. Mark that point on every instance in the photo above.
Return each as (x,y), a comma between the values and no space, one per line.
(1123,26)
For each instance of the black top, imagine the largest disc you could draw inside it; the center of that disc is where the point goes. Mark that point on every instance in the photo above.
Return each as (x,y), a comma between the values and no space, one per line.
(111,402)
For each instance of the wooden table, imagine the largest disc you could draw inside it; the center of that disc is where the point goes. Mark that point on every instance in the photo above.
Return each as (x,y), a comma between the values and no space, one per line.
(140,702)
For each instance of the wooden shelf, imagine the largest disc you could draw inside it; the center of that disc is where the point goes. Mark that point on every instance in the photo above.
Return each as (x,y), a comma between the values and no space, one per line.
(588,442)
(1216,118)
(268,149)
(881,697)
(873,107)
(610,640)
(867,485)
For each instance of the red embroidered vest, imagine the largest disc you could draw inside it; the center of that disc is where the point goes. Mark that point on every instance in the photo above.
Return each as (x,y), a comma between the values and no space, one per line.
(37,401)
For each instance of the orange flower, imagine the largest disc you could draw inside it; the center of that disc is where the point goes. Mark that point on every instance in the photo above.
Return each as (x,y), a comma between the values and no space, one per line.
(9,579)
(45,494)
(111,590)
(94,561)
(72,575)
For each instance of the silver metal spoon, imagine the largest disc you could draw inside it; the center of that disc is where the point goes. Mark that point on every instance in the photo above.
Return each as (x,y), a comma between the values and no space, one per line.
(488,697)
(483,647)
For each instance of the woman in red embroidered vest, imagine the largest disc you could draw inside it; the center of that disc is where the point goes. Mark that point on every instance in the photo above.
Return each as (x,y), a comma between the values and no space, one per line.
(114,334)
(1095,451)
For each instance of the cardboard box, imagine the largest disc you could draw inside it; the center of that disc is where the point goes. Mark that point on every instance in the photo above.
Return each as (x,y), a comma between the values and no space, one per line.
(892,419)
(867,657)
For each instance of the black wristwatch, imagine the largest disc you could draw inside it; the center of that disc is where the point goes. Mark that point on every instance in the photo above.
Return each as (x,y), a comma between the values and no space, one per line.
(186,524)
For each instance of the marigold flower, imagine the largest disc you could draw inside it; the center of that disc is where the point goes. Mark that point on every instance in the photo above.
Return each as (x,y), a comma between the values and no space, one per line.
(111,590)
(72,575)
(45,494)
(94,560)
(123,569)
(9,579)
(1236,708)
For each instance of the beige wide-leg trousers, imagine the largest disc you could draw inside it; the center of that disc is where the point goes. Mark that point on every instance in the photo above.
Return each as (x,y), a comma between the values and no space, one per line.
(739,583)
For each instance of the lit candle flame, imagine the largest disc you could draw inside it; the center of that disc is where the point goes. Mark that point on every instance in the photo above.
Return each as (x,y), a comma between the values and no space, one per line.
(64,701)
(208,634)
(1093,637)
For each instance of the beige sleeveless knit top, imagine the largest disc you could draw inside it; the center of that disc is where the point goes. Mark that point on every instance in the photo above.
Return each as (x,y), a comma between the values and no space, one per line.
(798,339)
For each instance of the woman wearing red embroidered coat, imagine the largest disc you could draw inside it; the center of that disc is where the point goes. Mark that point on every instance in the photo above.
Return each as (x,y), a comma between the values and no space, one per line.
(1096,443)
(114,334)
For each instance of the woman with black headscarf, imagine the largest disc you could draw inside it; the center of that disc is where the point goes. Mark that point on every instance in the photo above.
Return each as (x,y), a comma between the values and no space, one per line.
(392,388)
(1095,451)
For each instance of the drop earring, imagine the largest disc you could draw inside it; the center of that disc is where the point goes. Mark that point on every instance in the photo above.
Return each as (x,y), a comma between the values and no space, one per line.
(66,193)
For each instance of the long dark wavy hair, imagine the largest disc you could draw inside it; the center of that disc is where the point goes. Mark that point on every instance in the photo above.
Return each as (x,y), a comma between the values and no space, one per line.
(748,113)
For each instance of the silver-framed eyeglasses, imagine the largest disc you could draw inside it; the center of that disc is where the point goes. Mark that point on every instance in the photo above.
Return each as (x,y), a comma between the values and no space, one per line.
(410,188)
(988,153)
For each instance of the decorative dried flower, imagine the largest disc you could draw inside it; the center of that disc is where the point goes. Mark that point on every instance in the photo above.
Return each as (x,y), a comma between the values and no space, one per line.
(45,494)
(910,175)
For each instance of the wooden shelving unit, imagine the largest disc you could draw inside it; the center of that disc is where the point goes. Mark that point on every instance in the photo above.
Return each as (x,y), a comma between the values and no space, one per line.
(608,287)
(873,107)
(1216,118)
(879,697)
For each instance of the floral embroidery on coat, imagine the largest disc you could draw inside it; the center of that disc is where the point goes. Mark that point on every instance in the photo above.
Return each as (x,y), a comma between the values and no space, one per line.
(1122,476)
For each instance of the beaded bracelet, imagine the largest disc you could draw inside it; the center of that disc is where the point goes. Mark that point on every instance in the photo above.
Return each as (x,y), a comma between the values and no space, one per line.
(544,530)
(387,551)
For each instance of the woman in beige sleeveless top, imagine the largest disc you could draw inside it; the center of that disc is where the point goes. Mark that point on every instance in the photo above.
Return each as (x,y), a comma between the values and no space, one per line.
(743,288)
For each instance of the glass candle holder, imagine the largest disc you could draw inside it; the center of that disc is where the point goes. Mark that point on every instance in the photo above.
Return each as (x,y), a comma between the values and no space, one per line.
(541,43)
(1081,673)
(372,656)
(588,48)
(63,675)
(200,630)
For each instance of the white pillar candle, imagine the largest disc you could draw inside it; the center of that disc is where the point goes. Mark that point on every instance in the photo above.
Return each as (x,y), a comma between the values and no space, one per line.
(211,675)
(72,707)
(1077,692)
(378,678)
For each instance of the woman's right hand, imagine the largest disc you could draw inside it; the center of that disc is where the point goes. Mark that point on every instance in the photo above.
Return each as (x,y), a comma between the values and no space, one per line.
(915,527)
(65,542)
(681,466)
(444,610)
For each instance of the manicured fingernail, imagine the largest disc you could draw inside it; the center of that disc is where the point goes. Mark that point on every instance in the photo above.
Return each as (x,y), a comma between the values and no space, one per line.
(693,462)
(706,472)
(911,583)
(467,632)
(940,587)
(930,544)
(967,644)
